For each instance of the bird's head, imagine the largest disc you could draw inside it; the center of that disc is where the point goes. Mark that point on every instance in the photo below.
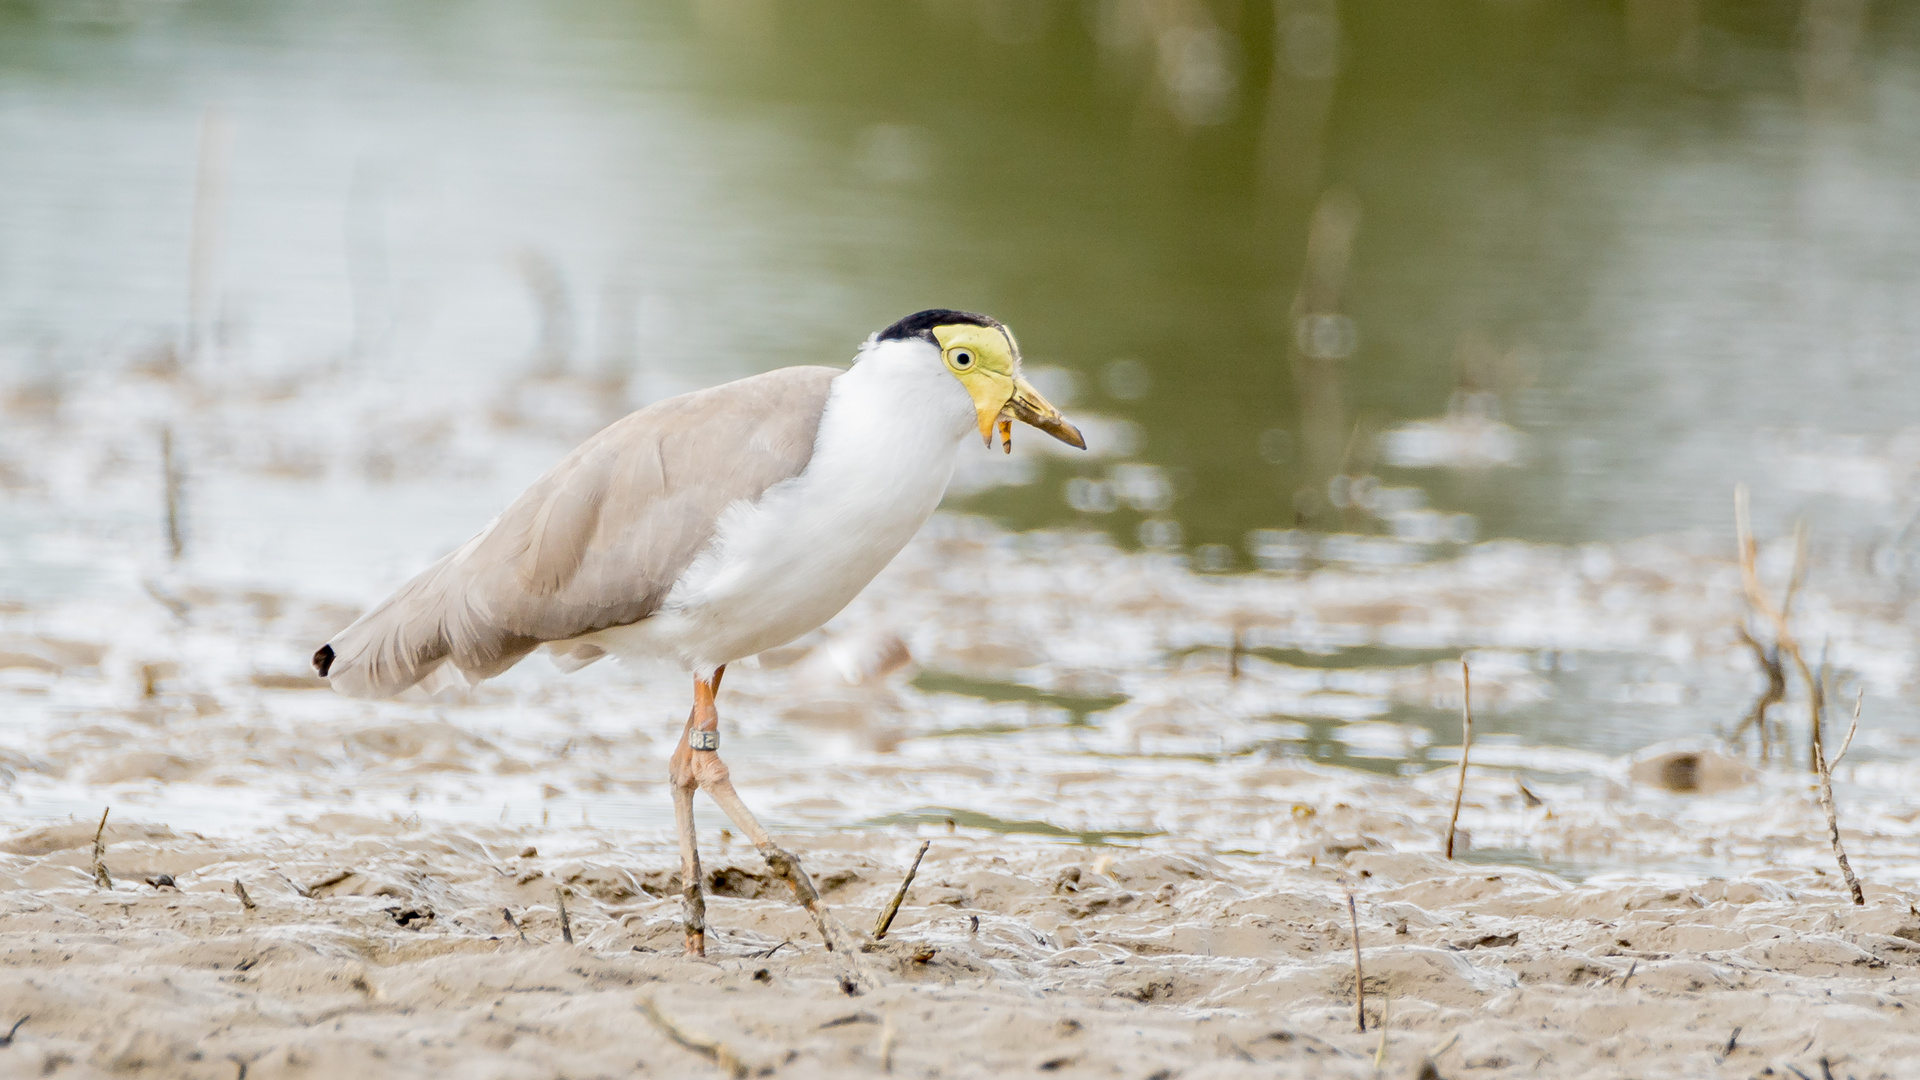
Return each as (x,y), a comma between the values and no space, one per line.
(981,353)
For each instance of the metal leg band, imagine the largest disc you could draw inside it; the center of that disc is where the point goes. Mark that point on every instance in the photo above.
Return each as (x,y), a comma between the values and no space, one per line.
(703,740)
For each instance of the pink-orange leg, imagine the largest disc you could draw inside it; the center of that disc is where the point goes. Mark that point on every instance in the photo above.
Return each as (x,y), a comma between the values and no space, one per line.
(703,770)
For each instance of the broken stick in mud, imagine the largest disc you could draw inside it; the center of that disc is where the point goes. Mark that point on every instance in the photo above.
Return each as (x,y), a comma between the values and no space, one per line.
(1359,977)
(1466,744)
(1774,694)
(1784,641)
(886,917)
(100,875)
(1826,803)
(1816,685)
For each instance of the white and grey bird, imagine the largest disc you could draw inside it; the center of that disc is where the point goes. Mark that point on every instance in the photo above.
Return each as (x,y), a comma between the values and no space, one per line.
(707,528)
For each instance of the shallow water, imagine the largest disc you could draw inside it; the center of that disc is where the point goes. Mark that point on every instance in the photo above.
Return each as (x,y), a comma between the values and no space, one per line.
(1059,684)
(1565,286)
(1578,271)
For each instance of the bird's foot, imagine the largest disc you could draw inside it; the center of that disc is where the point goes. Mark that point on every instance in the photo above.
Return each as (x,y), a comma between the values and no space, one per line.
(786,866)
(694,914)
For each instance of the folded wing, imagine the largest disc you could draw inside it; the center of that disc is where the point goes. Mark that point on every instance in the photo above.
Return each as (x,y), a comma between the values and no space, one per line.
(597,542)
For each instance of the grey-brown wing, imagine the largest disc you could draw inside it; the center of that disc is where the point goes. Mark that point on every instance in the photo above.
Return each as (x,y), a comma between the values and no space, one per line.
(596,542)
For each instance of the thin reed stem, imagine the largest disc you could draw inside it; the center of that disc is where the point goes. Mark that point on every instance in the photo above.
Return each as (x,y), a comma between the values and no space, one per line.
(1466,744)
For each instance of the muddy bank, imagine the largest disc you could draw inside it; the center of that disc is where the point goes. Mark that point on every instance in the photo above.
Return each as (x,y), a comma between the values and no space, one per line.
(380,949)
(1148,791)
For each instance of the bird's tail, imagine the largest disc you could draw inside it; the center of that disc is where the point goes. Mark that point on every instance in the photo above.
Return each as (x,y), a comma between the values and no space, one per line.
(426,633)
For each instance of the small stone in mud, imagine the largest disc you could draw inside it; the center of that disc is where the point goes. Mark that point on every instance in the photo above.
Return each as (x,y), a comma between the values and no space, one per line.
(529,852)
(1702,772)
(1145,989)
(162,881)
(408,916)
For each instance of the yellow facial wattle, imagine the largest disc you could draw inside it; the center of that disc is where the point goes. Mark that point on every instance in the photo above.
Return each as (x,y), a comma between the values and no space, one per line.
(987,362)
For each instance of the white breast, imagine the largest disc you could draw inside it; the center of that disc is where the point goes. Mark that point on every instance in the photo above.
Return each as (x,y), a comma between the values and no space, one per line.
(780,567)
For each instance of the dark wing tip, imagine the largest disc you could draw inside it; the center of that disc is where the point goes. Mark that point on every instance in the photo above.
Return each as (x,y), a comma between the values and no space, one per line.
(323,660)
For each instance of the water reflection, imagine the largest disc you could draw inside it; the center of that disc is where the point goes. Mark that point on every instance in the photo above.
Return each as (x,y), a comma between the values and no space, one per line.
(1330,285)
(1550,265)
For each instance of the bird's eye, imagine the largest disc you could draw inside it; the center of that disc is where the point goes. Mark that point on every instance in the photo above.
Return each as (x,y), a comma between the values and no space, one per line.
(962,359)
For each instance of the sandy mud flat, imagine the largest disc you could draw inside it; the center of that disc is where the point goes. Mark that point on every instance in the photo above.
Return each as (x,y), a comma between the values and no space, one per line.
(378,949)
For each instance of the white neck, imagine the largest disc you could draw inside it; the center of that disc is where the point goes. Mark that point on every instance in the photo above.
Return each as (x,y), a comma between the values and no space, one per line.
(905,382)
(781,567)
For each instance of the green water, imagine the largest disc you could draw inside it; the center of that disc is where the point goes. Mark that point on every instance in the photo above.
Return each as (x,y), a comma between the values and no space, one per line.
(1649,238)
(974,820)
(1079,706)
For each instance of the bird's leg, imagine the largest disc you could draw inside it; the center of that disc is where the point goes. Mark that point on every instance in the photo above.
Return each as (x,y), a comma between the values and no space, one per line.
(710,773)
(681,770)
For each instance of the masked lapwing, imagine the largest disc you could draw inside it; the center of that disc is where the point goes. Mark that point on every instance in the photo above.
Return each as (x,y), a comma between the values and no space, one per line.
(706,528)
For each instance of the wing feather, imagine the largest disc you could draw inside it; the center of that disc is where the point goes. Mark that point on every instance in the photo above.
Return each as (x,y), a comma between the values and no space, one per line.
(597,542)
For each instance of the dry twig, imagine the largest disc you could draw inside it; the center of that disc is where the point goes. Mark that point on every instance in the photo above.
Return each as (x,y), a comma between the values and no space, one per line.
(712,1049)
(1733,1041)
(515,925)
(1777,616)
(1775,693)
(1826,804)
(100,875)
(1466,743)
(566,924)
(886,917)
(1359,977)
(327,882)
(1859,698)
(240,891)
(1816,684)
(171,483)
